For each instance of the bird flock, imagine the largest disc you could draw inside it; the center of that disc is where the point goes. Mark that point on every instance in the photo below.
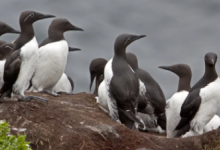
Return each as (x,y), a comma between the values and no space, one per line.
(125,92)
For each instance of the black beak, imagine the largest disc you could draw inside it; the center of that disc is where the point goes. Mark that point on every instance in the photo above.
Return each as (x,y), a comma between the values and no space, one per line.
(71,49)
(44,16)
(72,27)
(165,67)
(139,37)
(92,76)
(14,31)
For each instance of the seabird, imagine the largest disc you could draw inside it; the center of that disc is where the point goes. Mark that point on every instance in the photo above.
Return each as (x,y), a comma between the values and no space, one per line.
(96,69)
(5,51)
(153,102)
(20,65)
(183,71)
(53,54)
(122,85)
(202,102)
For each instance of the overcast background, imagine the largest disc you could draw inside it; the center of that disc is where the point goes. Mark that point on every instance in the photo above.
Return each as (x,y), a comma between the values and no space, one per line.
(177,32)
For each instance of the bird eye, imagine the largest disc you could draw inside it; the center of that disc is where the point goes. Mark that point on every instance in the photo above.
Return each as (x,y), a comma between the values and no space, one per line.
(31,15)
(4,26)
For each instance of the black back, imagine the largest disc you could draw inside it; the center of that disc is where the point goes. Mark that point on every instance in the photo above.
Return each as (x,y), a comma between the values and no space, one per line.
(124,85)
(153,93)
(193,100)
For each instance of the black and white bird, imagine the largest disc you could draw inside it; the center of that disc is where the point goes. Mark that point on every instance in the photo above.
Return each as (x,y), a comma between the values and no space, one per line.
(20,65)
(96,69)
(121,83)
(173,107)
(53,54)
(202,102)
(5,51)
(151,106)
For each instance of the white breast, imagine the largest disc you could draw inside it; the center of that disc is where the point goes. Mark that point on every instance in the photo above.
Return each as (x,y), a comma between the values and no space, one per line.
(172,111)
(103,97)
(29,57)
(2,66)
(108,74)
(213,124)
(209,106)
(51,65)
(63,85)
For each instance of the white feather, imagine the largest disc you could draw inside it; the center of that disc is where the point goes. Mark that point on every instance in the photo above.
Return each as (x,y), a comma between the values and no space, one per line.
(172,111)
(213,124)
(2,66)
(51,65)
(29,57)
(108,74)
(63,85)
(103,97)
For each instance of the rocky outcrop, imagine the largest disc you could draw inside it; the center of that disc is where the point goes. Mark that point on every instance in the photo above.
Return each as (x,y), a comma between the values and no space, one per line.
(75,122)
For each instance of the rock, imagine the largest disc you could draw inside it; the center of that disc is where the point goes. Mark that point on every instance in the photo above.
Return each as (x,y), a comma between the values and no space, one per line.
(72,122)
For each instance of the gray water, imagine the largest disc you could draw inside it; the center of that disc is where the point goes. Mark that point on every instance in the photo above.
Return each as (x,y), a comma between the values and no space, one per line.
(177,32)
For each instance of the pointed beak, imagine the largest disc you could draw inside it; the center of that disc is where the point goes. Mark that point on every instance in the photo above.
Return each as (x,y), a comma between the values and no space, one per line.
(14,31)
(72,27)
(164,67)
(139,37)
(92,76)
(44,16)
(72,49)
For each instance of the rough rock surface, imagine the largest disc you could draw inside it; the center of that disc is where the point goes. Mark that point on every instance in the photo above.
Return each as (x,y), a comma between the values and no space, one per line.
(72,122)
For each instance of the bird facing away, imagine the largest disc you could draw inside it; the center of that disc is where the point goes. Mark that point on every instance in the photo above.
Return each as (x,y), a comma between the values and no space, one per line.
(20,65)
(153,102)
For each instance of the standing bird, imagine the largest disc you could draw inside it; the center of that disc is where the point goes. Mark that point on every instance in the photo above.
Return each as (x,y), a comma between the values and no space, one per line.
(20,65)
(96,69)
(4,28)
(122,85)
(5,51)
(174,104)
(153,103)
(202,102)
(53,53)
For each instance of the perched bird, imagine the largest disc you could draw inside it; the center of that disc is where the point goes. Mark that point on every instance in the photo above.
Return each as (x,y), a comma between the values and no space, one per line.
(4,28)
(121,84)
(153,103)
(96,69)
(64,86)
(5,51)
(202,102)
(53,54)
(20,65)
(174,104)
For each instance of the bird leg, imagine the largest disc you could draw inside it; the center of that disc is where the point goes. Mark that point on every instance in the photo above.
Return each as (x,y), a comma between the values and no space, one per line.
(50,93)
(28,98)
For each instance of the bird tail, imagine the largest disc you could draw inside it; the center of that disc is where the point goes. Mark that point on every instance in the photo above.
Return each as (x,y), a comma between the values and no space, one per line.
(162,121)
(182,127)
(6,90)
